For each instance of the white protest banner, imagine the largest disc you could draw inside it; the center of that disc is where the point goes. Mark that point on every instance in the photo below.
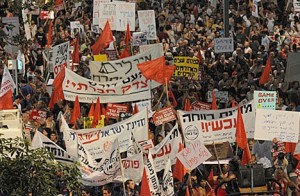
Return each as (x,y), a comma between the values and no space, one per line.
(139,38)
(224,44)
(108,12)
(151,176)
(41,141)
(159,46)
(221,96)
(191,121)
(99,173)
(125,14)
(11,29)
(168,185)
(96,140)
(168,147)
(124,69)
(265,100)
(296,4)
(147,23)
(96,15)
(193,155)
(142,105)
(7,82)
(60,57)
(133,168)
(283,125)
(70,138)
(109,92)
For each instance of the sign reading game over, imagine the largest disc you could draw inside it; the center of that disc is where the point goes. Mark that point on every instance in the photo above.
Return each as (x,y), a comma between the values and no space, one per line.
(224,44)
(60,57)
(147,23)
(265,99)
(187,67)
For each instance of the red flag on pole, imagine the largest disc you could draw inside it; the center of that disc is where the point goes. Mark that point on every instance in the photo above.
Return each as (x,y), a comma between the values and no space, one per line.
(75,55)
(92,110)
(76,112)
(97,113)
(135,109)
(157,70)
(214,105)
(187,105)
(265,76)
(6,91)
(179,169)
(57,88)
(103,41)
(49,35)
(127,36)
(241,137)
(145,188)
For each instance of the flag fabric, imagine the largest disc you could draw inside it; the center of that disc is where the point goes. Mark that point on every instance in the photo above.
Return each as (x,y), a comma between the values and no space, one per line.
(49,36)
(125,53)
(168,185)
(187,105)
(199,56)
(233,104)
(241,137)
(246,156)
(145,188)
(76,112)
(174,101)
(92,110)
(6,91)
(57,88)
(157,70)
(179,170)
(103,41)
(214,105)
(97,113)
(187,191)
(127,36)
(210,178)
(75,55)
(135,109)
(265,76)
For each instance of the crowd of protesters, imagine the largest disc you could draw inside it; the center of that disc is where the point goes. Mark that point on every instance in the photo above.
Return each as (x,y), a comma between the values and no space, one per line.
(185,28)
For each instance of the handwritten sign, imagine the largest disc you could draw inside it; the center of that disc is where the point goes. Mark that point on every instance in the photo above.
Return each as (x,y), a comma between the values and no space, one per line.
(139,38)
(107,12)
(224,44)
(187,67)
(193,155)
(60,57)
(142,105)
(147,23)
(125,14)
(283,125)
(265,99)
(76,27)
(164,115)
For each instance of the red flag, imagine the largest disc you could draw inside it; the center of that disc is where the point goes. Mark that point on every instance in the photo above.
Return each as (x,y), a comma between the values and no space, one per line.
(179,170)
(157,70)
(214,105)
(6,101)
(103,41)
(145,188)
(76,112)
(187,191)
(174,101)
(75,55)
(233,104)
(241,137)
(7,86)
(199,56)
(127,36)
(125,53)
(289,147)
(187,105)
(211,177)
(92,110)
(97,113)
(246,156)
(265,76)
(135,109)
(49,36)
(57,88)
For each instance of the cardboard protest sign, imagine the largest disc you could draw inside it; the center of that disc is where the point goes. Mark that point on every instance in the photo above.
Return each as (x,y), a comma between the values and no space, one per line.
(96,14)
(125,14)
(164,115)
(147,23)
(187,67)
(113,110)
(76,27)
(221,96)
(60,57)
(139,38)
(224,44)
(193,155)
(158,46)
(283,125)
(265,100)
